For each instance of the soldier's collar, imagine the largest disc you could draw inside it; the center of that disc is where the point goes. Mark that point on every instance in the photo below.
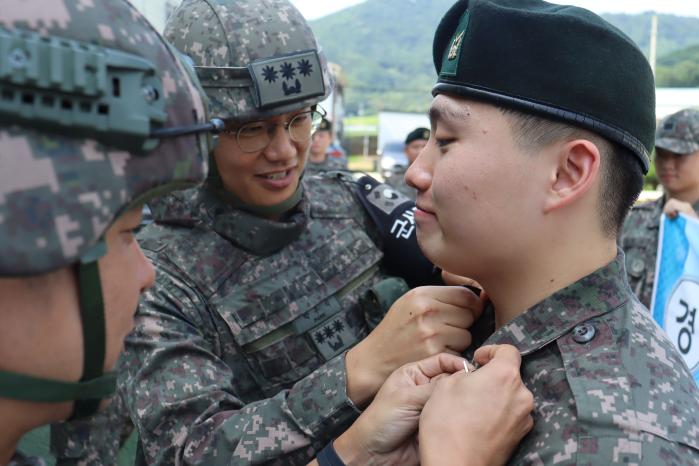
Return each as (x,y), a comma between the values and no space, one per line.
(255,234)
(592,296)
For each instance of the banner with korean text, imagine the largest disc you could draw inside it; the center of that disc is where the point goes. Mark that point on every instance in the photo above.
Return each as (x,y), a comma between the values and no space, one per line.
(676,292)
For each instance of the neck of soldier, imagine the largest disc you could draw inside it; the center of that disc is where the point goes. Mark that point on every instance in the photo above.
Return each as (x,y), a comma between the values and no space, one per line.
(20,417)
(10,431)
(553,260)
(317,157)
(690,196)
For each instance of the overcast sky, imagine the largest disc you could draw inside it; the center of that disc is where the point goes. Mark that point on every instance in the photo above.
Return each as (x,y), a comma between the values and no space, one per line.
(312,9)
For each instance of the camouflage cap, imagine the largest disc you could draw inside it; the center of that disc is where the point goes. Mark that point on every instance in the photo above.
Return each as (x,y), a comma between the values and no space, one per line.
(255,58)
(679,132)
(68,165)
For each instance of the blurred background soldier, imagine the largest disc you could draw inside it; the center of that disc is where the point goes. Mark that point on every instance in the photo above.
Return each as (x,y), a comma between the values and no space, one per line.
(414,143)
(677,168)
(319,158)
(97,114)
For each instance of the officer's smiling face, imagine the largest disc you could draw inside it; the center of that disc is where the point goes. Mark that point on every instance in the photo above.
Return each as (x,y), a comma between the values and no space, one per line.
(477,194)
(268,176)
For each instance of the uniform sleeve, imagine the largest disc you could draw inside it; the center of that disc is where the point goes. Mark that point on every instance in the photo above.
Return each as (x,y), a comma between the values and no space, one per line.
(93,441)
(179,391)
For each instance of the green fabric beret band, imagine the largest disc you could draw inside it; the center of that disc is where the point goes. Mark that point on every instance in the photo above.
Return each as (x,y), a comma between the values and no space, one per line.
(558,61)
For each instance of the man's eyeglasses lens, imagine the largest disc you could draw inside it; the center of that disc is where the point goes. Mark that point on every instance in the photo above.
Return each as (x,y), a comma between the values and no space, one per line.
(255,136)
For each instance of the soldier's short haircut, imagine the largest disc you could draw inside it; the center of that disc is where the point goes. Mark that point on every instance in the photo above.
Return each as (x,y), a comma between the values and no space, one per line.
(621,173)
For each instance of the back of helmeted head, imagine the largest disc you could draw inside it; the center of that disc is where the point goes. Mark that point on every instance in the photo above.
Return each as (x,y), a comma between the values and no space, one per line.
(254,58)
(84,89)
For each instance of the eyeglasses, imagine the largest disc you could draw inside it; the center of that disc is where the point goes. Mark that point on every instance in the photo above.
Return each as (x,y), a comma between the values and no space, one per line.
(256,136)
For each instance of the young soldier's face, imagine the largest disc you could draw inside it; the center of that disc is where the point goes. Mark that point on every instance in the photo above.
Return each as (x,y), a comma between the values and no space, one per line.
(477,195)
(125,273)
(677,173)
(321,142)
(269,175)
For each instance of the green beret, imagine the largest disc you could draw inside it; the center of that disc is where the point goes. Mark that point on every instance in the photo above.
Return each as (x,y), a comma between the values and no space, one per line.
(417,134)
(557,61)
(325,125)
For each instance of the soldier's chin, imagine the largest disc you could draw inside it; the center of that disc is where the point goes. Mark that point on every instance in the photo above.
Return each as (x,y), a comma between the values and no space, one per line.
(427,242)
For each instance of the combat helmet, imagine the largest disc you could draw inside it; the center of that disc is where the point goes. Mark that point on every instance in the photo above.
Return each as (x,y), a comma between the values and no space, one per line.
(97,113)
(254,58)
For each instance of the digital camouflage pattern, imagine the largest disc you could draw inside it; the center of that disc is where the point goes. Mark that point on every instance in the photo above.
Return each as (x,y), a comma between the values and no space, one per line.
(92,441)
(679,132)
(608,386)
(639,240)
(238,356)
(329,164)
(21,460)
(236,33)
(59,194)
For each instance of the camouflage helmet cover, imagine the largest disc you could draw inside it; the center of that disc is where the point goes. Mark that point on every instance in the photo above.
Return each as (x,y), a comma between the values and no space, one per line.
(245,50)
(60,190)
(679,132)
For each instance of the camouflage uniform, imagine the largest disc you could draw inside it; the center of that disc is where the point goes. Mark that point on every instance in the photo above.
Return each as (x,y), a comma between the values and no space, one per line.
(21,460)
(639,240)
(329,164)
(238,351)
(239,355)
(679,134)
(89,93)
(608,386)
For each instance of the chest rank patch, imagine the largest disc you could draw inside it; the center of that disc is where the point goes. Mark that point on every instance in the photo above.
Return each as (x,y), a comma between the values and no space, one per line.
(287,79)
(450,63)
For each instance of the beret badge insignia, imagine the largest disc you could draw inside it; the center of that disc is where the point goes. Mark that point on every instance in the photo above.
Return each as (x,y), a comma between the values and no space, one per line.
(455,46)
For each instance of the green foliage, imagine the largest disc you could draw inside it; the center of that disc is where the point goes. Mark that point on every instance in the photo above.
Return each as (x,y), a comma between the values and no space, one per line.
(679,69)
(674,32)
(385,49)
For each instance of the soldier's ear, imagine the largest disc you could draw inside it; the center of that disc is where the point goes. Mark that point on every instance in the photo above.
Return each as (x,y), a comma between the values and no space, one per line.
(574,172)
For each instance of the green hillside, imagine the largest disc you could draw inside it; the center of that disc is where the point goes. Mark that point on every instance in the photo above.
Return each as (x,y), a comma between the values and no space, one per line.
(679,69)
(385,49)
(674,32)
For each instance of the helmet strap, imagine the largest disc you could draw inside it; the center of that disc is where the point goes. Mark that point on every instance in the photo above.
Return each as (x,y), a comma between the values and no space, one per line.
(94,385)
(94,332)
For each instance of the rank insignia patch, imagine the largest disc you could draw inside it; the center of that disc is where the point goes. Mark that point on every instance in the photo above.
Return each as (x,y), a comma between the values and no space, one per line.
(287,79)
